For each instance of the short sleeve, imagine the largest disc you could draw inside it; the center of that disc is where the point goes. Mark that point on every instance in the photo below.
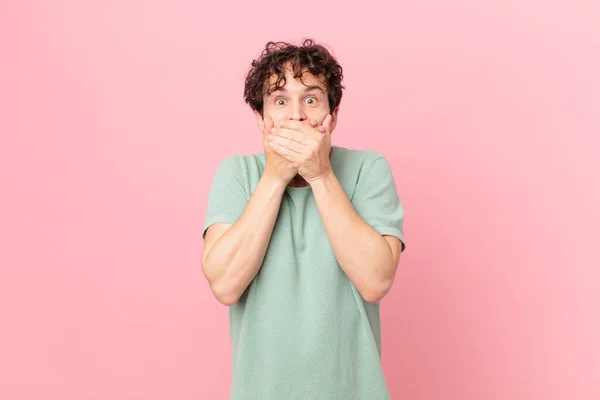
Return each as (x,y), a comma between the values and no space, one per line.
(228,195)
(376,199)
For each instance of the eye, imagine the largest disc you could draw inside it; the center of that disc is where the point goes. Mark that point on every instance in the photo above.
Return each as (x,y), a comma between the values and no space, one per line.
(311,100)
(280,102)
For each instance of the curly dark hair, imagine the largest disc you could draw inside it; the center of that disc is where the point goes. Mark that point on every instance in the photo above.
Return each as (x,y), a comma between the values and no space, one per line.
(311,57)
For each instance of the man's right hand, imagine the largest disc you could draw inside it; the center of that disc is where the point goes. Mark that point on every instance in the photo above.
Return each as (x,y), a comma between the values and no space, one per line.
(276,166)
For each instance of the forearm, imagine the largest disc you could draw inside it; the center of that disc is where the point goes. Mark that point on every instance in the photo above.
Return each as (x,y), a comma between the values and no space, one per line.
(362,252)
(236,257)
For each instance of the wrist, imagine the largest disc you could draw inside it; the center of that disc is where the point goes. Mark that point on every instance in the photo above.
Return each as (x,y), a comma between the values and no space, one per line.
(325,178)
(274,183)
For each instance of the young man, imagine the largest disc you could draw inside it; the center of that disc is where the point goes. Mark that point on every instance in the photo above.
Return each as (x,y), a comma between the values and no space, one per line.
(303,240)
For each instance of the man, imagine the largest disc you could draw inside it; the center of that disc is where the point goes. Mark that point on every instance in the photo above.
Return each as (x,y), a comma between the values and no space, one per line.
(302,241)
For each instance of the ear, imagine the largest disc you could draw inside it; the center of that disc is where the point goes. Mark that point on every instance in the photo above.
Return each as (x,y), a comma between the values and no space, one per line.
(260,122)
(334,118)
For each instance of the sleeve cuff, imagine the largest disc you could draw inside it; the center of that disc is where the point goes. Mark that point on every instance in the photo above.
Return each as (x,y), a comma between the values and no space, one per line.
(217,219)
(388,230)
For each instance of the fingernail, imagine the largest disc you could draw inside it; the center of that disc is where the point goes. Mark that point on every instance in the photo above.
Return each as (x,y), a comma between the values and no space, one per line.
(273,129)
(270,137)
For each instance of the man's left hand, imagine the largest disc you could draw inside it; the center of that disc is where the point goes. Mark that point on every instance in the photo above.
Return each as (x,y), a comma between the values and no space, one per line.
(305,144)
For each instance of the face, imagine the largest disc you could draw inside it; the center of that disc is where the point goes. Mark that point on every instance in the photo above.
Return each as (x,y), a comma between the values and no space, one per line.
(300,100)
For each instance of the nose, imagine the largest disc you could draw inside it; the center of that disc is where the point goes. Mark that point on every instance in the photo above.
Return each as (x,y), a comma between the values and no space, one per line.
(297,113)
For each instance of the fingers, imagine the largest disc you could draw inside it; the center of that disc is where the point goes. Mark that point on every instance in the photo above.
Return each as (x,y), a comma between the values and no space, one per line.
(267,126)
(286,146)
(300,126)
(290,134)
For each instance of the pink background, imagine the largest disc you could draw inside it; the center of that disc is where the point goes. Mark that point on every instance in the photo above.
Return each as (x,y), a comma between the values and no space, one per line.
(114,115)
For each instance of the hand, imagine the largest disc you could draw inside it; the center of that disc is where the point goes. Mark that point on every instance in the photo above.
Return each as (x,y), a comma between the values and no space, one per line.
(276,167)
(306,145)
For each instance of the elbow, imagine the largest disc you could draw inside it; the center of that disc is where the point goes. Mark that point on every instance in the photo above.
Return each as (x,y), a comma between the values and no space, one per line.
(225,294)
(377,284)
(375,292)
(223,291)
(227,300)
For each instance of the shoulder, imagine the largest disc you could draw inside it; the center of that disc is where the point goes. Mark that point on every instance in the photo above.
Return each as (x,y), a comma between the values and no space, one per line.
(238,164)
(359,157)
(361,160)
(358,169)
(238,172)
(234,160)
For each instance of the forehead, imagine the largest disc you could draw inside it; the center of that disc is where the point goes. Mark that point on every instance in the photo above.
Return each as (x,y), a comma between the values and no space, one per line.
(300,83)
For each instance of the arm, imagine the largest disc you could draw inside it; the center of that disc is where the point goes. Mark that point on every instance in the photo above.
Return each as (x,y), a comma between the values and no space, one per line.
(368,258)
(365,234)
(240,225)
(233,253)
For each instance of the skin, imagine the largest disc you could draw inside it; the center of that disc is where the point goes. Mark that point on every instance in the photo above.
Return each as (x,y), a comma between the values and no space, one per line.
(303,100)
(296,129)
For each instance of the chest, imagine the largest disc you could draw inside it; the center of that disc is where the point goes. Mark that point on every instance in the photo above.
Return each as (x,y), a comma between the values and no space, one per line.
(299,251)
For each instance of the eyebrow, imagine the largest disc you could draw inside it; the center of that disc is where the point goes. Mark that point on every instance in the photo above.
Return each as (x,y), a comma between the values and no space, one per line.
(306,89)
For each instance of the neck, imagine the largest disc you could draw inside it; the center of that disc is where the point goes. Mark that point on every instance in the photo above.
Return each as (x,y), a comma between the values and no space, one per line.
(298,181)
